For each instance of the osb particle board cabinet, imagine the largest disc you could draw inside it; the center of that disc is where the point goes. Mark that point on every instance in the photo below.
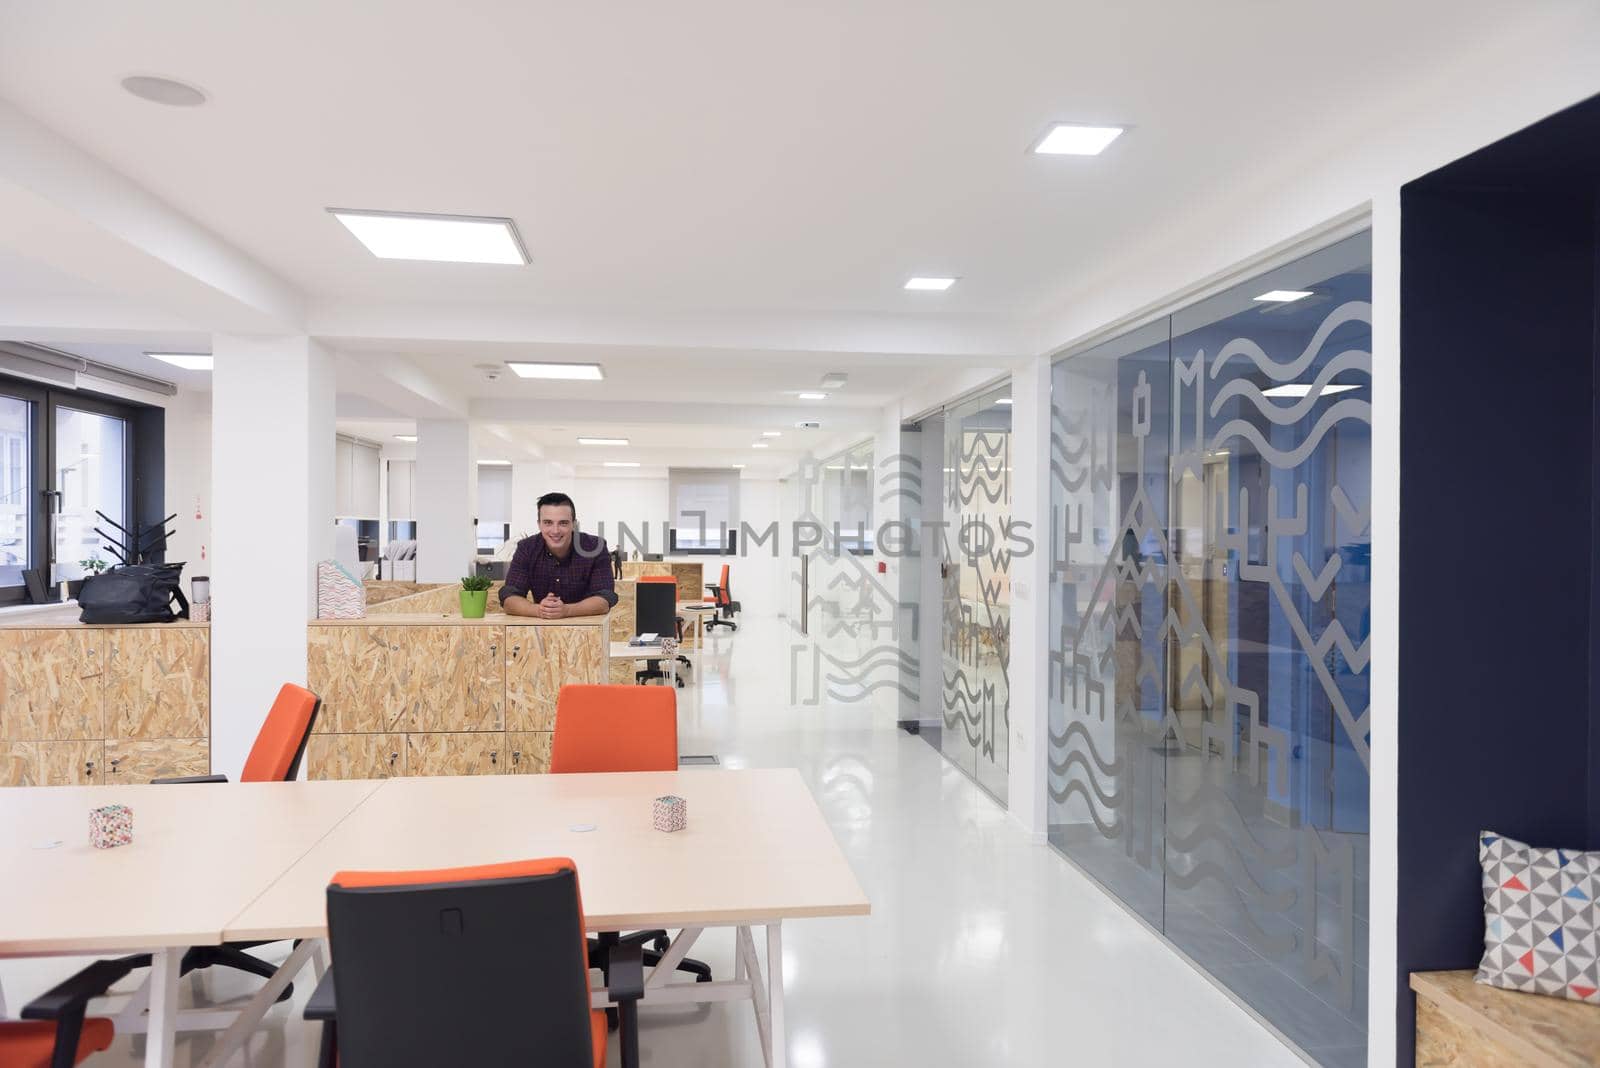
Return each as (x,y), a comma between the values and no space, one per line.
(1464,1024)
(422,694)
(85,705)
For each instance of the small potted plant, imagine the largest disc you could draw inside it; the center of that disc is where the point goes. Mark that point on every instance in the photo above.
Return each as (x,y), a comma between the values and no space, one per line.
(94,565)
(474,596)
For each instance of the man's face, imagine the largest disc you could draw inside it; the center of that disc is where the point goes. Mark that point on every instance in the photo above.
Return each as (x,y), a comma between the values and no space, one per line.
(555,524)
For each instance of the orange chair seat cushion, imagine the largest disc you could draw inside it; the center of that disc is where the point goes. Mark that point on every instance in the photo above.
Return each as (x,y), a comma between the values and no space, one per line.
(31,1043)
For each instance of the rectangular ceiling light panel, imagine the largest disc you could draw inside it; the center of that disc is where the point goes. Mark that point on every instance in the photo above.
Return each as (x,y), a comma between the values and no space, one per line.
(571,372)
(437,238)
(1067,139)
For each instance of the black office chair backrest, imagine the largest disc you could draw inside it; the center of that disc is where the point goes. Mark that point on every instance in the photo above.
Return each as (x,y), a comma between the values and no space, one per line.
(486,972)
(655,608)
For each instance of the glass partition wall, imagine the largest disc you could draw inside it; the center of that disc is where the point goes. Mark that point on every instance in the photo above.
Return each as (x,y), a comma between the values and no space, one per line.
(1210,502)
(975,606)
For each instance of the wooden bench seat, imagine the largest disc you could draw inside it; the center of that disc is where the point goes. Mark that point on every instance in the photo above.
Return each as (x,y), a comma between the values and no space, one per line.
(1466,1024)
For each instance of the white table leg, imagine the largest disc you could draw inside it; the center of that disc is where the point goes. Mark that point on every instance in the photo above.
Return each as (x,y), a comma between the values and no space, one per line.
(250,1016)
(779,1055)
(163,1033)
(746,948)
(319,959)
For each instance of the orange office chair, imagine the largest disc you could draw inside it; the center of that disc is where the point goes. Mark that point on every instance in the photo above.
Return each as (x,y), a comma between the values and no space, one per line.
(54,1032)
(480,966)
(275,757)
(722,597)
(620,728)
(280,744)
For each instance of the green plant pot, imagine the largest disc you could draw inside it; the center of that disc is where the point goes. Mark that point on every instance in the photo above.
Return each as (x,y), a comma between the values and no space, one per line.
(474,603)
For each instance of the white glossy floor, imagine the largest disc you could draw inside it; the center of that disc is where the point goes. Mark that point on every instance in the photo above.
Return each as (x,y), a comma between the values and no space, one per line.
(984,948)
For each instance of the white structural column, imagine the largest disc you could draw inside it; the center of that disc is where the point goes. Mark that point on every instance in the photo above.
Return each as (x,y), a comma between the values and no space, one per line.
(271,520)
(1030,588)
(445,489)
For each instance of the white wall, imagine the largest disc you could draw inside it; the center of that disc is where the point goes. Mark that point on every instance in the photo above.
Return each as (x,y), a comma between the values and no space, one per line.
(756,578)
(188,481)
(611,502)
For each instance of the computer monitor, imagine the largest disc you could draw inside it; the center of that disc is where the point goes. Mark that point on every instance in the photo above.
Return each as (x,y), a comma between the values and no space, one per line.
(655,608)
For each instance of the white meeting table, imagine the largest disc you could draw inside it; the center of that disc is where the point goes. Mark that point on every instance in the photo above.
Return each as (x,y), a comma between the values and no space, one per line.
(200,854)
(756,852)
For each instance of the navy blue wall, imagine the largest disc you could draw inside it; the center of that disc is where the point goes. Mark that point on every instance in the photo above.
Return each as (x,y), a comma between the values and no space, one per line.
(1499,488)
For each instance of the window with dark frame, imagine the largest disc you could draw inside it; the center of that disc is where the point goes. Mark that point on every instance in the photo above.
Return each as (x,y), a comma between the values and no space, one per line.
(64,456)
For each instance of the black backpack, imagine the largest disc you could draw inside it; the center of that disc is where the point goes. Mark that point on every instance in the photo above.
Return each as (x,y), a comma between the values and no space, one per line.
(133,593)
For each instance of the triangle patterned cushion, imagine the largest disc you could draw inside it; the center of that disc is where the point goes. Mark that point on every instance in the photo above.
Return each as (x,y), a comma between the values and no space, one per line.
(1539,919)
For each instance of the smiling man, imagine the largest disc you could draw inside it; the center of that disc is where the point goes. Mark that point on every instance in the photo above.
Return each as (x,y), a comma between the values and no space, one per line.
(559,572)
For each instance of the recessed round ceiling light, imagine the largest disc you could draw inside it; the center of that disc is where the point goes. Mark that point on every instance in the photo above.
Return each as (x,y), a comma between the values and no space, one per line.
(174,94)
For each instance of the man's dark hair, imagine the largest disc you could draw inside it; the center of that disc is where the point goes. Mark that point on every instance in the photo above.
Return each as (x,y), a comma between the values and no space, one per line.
(557,498)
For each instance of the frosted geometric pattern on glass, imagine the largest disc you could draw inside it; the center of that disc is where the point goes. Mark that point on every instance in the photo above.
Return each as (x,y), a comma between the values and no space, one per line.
(1209,743)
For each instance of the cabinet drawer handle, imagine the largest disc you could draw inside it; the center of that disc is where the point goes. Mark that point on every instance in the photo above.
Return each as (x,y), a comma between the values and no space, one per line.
(88,768)
(516,649)
(392,758)
(114,762)
(493,754)
(516,757)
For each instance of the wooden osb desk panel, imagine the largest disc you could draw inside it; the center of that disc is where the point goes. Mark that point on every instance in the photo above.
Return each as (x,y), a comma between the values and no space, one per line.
(348,667)
(355,756)
(690,577)
(158,684)
(77,763)
(448,678)
(445,600)
(1463,1023)
(438,619)
(476,753)
(529,752)
(66,617)
(381,590)
(51,685)
(691,581)
(141,760)
(623,616)
(541,661)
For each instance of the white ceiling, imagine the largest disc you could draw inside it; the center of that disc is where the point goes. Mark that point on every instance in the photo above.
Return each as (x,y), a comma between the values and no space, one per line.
(653,373)
(721,199)
(721,155)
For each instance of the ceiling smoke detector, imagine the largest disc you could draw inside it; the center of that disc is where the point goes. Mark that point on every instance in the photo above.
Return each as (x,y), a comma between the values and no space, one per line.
(490,371)
(834,380)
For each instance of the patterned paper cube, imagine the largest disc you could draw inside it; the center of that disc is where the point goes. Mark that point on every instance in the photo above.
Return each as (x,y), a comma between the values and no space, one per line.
(110,826)
(671,813)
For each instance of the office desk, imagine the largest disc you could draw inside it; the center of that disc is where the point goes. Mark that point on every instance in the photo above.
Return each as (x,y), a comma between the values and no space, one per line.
(625,651)
(756,852)
(200,854)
